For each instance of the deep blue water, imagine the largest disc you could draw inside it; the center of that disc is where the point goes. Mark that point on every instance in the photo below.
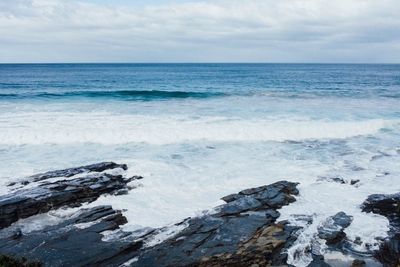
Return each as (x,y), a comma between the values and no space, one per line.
(150,81)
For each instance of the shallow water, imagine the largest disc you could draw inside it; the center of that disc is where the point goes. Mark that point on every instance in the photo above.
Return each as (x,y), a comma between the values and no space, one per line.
(197,132)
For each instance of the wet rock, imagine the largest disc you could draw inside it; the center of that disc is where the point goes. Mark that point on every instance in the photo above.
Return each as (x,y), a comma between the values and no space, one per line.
(242,232)
(97,167)
(339,180)
(332,230)
(358,241)
(7,261)
(388,206)
(332,179)
(26,202)
(17,234)
(74,242)
(318,261)
(307,219)
(358,263)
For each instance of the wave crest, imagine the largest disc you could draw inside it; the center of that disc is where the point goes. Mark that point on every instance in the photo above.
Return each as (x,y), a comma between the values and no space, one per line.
(108,129)
(119,94)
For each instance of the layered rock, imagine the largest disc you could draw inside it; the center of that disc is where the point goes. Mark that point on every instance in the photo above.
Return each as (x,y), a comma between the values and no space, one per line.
(241,232)
(73,242)
(388,206)
(46,195)
(97,167)
(332,230)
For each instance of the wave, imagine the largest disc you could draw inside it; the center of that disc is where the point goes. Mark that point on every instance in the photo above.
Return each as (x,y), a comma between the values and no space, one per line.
(119,94)
(149,95)
(112,129)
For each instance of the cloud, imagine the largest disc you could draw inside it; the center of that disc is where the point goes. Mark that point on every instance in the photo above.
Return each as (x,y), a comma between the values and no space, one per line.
(200,31)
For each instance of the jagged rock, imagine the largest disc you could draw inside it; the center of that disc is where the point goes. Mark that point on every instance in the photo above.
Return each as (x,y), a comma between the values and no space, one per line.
(332,179)
(7,261)
(241,233)
(332,230)
(74,242)
(97,167)
(318,261)
(264,248)
(388,206)
(52,195)
(339,180)
(358,263)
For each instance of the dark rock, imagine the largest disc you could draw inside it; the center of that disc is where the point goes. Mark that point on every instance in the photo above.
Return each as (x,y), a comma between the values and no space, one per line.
(358,241)
(339,180)
(303,218)
(388,206)
(240,205)
(389,251)
(332,230)
(230,198)
(17,234)
(52,195)
(358,263)
(318,261)
(332,180)
(74,242)
(241,233)
(7,261)
(97,167)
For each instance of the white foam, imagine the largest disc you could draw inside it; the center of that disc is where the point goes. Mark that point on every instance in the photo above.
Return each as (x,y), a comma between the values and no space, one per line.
(112,129)
(189,163)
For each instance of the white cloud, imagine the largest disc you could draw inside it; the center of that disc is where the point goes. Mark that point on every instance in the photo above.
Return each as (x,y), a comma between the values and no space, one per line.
(222,30)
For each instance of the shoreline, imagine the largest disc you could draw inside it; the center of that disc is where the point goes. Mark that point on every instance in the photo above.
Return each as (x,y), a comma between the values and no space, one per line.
(248,226)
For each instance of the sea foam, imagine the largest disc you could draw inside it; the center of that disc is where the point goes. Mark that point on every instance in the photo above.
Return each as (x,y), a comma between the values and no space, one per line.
(111,129)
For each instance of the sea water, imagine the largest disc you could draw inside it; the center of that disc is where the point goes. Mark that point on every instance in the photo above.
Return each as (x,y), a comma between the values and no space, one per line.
(197,132)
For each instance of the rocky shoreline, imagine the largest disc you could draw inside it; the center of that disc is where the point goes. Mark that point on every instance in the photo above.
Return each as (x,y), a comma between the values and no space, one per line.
(245,231)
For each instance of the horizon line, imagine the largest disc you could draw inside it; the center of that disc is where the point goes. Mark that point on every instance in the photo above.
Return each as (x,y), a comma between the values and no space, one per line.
(166,63)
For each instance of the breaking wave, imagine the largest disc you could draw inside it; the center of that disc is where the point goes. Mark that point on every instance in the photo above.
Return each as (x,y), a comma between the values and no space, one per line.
(109,129)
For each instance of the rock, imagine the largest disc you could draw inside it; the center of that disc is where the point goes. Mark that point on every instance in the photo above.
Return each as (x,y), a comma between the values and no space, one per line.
(358,263)
(74,242)
(242,232)
(339,180)
(307,219)
(332,180)
(318,261)
(388,206)
(17,234)
(24,203)
(332,230)
(358,241)
(7,261)
(97,167)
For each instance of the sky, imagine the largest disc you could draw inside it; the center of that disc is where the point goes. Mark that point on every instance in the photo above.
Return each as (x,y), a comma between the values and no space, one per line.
(298,31)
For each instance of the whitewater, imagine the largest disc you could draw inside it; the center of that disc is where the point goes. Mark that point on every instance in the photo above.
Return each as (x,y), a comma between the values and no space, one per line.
(197,132)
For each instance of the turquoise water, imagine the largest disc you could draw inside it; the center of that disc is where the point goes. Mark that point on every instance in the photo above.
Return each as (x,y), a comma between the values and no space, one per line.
(197,132)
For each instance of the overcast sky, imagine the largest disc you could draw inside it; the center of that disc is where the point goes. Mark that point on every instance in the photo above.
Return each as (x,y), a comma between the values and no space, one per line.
(200,31)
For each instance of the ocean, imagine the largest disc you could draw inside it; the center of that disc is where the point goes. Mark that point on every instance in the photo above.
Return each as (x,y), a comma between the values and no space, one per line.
(197,132)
